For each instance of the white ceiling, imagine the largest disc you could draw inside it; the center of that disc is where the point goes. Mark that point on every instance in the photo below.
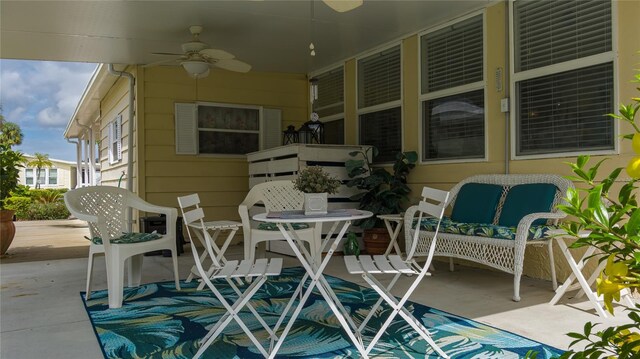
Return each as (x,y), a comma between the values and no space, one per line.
(270,35)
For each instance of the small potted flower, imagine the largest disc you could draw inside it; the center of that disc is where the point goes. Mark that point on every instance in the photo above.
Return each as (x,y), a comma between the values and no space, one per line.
(316,184)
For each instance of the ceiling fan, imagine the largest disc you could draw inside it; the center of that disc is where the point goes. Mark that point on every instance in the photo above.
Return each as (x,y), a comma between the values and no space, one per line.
(343,5)
(197,57)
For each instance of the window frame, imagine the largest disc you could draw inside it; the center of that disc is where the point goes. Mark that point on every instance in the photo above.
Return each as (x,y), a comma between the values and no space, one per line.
(340,115)
(456,90)
(27,177)
(49,176)
(384,106)
(571,65)
(186,128)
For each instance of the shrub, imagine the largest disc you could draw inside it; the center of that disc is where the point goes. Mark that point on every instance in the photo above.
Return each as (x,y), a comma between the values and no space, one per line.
(45,211)
(47,195)
(20,205)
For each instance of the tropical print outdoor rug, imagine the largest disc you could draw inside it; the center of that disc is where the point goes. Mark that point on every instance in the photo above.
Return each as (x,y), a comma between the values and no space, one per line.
(157,321)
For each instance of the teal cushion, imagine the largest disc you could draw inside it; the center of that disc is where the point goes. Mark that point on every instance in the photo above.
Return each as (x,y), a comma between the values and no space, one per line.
(482,229)
(274,227)
(476,203)
(526,199)
(127,238)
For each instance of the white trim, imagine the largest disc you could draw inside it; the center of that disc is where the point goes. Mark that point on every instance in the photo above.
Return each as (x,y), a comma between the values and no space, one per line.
(115,140)
(597,59)
(478,85)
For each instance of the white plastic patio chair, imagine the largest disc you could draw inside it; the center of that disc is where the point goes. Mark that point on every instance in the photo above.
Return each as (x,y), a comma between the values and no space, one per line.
(369,266)
(276,196)
(105,209)
(254,273)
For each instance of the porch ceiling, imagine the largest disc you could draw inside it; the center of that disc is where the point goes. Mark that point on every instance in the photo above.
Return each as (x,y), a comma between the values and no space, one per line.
(268,34)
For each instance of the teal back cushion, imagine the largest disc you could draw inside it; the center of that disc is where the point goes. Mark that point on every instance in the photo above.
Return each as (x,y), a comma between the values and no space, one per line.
(476,203)
(525,199)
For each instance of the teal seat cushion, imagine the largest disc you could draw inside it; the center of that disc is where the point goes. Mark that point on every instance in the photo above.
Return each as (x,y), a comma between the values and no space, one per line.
(273,227)
(127,238)
(476,203)
(482,229)
(526,199)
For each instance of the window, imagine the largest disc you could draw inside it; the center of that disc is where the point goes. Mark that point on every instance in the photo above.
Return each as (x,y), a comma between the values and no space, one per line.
(28,176)
(452,87)
(53,176)
(379,102)
(330,104)
(563,77)
(207,128)
(42,176)
(115,140)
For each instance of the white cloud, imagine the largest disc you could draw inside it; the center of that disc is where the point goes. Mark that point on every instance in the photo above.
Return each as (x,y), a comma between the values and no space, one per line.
(48,91)
(16,115)
(51,117)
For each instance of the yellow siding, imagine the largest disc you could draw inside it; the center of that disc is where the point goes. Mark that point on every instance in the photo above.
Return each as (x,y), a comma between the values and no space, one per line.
(114,103)
(221,181)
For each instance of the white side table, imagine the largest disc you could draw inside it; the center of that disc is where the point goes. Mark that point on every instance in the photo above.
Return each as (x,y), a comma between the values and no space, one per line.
(577,280)
(216,227)
(394,223)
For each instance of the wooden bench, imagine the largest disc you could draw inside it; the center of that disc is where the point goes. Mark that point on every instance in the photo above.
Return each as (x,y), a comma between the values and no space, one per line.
(493,219)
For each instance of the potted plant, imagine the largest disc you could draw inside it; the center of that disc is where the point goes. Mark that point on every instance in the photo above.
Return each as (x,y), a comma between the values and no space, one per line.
(10,162)
(382,192)
(316,184)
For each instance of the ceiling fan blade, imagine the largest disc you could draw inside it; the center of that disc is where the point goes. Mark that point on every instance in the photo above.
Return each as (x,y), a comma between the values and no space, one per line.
(233,65)
(343,5)
(167,53)
(217,54)
(164,62)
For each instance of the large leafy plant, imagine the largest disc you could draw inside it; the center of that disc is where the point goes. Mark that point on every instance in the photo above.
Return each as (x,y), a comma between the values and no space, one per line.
(612,223)
(382,192)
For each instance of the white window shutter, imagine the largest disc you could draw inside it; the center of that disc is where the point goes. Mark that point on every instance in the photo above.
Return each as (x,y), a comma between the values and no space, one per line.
(271,128)
(186,129)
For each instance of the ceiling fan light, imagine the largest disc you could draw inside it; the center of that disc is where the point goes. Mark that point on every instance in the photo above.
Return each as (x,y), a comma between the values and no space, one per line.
(343,5)
(196,69)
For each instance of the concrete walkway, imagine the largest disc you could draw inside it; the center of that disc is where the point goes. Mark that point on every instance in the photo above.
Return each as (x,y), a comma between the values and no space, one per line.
(48,240)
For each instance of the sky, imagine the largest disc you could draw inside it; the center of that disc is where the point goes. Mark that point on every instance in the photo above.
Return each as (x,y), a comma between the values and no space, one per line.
(41,97)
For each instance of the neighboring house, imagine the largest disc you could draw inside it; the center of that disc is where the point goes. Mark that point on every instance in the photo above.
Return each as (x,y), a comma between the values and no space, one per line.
(484,92)
(63,174)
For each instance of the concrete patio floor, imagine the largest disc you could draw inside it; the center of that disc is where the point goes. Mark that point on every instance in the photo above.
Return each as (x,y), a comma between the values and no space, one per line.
(42,315)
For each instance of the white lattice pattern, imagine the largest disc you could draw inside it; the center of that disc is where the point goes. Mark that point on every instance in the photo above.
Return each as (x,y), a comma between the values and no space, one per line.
(504,255)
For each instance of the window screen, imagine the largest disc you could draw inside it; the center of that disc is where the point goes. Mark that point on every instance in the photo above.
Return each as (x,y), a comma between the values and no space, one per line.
(334,132)
(379,78)
(550,32)
(452,56)
(228,130)
(383,130)
(330,93)
(452,59)
(28,174)
(53,176)
(566,112)
(454,127)
(562,108)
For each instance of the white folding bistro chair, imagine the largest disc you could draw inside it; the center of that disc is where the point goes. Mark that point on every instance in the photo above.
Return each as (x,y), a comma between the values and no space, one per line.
(217,227)
(368,266)
(254,272)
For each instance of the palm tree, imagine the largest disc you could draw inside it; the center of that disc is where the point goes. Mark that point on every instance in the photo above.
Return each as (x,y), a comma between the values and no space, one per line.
(40,161)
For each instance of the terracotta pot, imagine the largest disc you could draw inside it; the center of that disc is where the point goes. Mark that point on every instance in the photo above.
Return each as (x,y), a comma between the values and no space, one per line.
(376,240)
(7,230)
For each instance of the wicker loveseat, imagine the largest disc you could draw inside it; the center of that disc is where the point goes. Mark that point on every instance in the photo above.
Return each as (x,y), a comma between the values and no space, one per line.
(493,218)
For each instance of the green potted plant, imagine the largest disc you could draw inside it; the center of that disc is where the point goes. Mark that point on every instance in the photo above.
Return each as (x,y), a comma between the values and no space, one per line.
(10,163)
(382,192)
(316,184)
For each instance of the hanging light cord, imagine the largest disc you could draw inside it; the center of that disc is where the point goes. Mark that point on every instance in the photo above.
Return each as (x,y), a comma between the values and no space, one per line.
(312,47)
